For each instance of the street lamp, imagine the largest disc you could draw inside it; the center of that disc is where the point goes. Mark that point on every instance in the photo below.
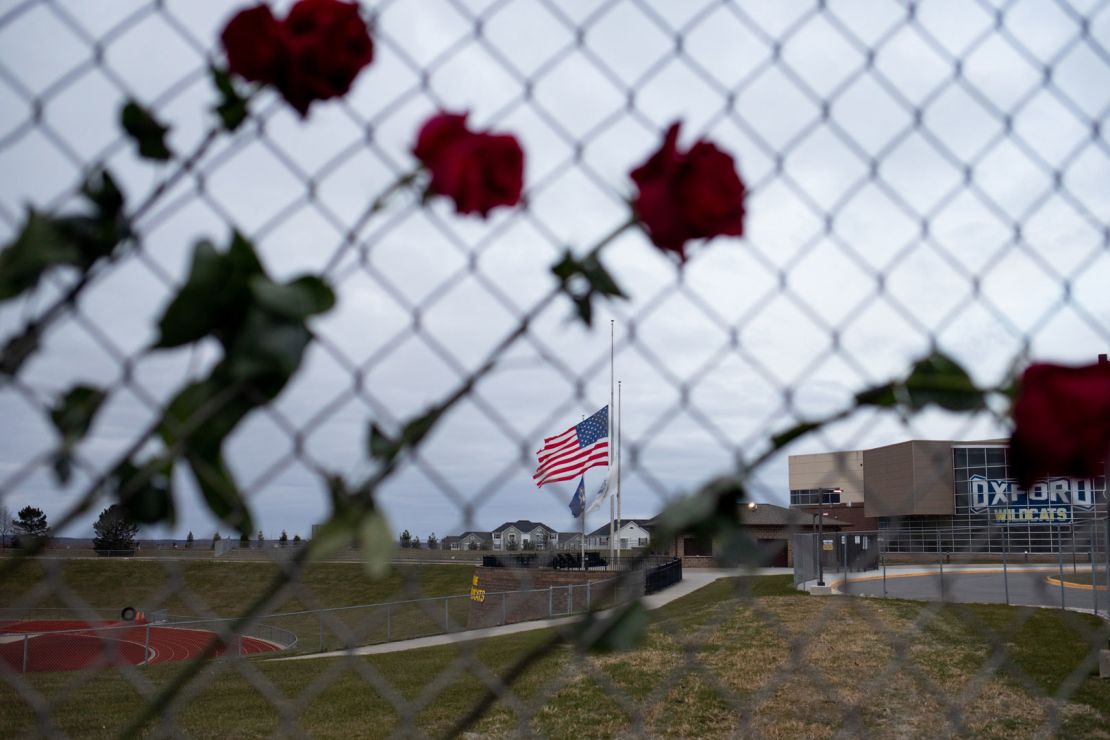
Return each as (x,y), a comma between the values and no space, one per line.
(820,539)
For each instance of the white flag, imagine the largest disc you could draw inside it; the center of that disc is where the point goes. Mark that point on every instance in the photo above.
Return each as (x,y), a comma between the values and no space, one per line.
(602,491)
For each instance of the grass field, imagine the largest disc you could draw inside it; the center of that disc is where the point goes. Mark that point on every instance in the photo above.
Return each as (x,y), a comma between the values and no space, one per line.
(203,588)
(744,655)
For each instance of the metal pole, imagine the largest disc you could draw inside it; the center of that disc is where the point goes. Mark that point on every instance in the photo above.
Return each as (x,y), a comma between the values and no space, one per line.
(1074,566)
(844,542)
(1059,560)
(146,647)
(587,595)
(1005,561)
(26,651)
(388,623)
(940,561)
(504,608)
(550,600)
(1091,560)
(320,624)
(446,613)
(882,559)
(820,540)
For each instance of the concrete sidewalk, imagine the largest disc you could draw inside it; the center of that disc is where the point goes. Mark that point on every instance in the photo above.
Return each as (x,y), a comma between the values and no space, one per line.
(834,579)
(692,580)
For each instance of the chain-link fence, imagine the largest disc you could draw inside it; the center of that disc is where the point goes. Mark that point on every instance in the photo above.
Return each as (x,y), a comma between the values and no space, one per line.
(240,293)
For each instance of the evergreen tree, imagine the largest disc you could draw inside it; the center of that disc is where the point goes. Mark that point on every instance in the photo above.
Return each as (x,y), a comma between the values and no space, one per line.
(215,538)
(415,544)
(406,539)
(296,539)
(189,541)
(115,533)
(30,523)
(433,541)
(244,541)
(284,539)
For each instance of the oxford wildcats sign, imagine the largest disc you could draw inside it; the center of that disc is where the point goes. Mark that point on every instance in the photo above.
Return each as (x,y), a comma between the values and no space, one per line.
(1049,501)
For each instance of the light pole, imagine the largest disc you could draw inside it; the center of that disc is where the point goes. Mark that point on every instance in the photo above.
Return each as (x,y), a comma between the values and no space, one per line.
(820,539)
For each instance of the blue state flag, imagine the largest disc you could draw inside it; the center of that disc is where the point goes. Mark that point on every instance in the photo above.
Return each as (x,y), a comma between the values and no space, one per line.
(579,499)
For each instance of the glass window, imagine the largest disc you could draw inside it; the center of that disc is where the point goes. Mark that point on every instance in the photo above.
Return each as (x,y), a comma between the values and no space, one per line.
(961,457)
(996,456)
(976,457)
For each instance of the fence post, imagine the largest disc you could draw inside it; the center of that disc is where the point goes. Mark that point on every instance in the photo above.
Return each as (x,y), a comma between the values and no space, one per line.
(320,625)
(550,600)
(1059,560)
(504,609)
(26,650)
(1091,560)
(1106,546)
(940,562)
(447,614)
(587,595)
(1005,562)
(146,647)
(882,559)
(388,623)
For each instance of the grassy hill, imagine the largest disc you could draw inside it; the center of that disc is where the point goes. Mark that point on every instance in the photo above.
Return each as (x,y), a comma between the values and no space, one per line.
(747,656)
(213,586)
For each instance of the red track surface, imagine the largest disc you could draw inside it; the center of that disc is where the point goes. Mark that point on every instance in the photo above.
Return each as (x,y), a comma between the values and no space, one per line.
(59,645)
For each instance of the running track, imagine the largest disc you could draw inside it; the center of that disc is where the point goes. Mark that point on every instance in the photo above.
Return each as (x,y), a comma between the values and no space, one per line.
(60,645)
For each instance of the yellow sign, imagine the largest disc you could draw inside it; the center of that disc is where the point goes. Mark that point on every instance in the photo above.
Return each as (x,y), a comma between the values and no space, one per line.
(828,546)
(476,594)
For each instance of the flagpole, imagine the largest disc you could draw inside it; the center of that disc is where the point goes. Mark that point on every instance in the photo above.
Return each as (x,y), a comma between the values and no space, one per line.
(583,541)
(610,456)
(618,463)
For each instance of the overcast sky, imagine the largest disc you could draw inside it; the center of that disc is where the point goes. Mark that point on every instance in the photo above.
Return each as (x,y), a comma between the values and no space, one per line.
(897,215)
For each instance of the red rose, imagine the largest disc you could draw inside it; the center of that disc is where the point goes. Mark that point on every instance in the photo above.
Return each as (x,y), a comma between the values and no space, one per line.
(1061,422)
(314,54)
(252,41)
(692,195)
(327,45)
(477,170)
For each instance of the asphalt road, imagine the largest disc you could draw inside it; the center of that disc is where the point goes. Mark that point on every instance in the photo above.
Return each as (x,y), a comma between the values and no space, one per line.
(1015,587)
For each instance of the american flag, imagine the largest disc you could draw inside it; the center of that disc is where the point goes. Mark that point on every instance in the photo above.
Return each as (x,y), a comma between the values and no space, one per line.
(572,453)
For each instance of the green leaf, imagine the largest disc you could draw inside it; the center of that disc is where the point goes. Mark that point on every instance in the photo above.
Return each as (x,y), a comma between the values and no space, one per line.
(146,492)
(297,300)
(220,491)
(376,542)
(232,108)
(381,445)
(940,380)
(73,413)
(626,632)
(936,379)
(196,310)
(798,430)
(592,279)
(42,243)
(104,194)
(414,432)
(62,463)
(146,131)
(265,348)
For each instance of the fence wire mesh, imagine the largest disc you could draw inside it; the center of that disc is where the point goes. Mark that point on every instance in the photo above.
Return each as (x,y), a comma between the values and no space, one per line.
(920,177)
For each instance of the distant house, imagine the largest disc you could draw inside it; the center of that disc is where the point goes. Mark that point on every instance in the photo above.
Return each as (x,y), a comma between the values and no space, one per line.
(634,534)
(468,541)
(524,534)
(570,540)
